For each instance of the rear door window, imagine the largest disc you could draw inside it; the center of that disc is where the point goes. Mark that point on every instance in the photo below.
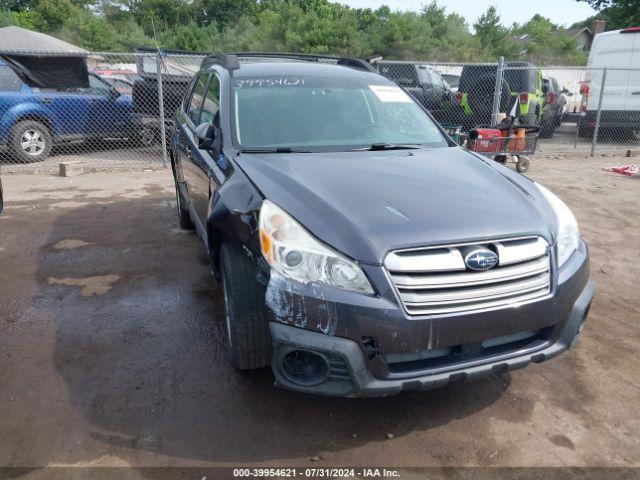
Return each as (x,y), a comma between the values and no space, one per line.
(9,81)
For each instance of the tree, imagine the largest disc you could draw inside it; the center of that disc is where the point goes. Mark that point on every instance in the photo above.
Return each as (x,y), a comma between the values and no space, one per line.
(222,13)
(494,38)
(16,5)
(617,13)
(50,15)
(548,44)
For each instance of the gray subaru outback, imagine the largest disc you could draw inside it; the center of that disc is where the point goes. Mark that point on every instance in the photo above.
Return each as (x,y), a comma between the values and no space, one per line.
(359,251)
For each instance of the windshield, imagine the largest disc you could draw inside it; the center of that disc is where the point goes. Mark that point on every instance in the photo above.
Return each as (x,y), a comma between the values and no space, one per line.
(327,114)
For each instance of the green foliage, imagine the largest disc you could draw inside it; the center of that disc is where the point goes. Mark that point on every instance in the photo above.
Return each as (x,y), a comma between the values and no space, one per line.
(25,19)
(314,26)
(51,15)
(545,43)
(617,14)
(494,38)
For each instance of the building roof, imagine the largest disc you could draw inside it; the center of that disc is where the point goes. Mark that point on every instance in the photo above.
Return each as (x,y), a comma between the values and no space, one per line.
(17,39)
(574,32)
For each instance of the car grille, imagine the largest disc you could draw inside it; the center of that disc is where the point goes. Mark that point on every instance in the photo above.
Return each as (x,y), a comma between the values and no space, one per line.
(435,280)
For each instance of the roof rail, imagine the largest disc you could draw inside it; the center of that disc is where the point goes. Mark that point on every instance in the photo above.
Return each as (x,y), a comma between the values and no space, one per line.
(309,57)
(225,60)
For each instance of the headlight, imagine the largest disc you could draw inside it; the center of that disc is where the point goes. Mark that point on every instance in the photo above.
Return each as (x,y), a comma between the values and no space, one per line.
(568,234)
(293,252)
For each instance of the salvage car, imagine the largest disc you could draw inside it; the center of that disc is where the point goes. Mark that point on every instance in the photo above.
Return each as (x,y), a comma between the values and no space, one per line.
(425,84)
(521,86)
(618,106)
(555,106)
(33,120)
(359,250)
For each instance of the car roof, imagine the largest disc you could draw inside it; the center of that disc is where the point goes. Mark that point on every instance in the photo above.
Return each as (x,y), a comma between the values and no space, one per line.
(300,68)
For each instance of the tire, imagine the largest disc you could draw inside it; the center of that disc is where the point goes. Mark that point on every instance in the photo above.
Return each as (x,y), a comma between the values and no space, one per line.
(184,217)
(145,136)
(584,131)
(30,141)
(547,128)
(522,165)
(245,310)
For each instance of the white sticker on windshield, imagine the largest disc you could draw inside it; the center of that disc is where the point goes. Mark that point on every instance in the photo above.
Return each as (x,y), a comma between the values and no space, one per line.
(390,94)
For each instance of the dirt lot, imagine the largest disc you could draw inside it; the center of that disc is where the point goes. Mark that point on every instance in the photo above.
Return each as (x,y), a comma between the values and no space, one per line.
(112,349)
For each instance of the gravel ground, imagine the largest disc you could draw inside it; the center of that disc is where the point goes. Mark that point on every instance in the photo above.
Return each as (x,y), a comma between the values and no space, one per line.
(112,350)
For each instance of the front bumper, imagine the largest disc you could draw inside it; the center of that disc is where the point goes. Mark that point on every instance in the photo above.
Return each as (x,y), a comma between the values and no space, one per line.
(356,379)
(359,335)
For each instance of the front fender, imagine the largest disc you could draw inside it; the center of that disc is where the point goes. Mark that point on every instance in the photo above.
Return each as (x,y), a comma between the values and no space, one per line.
(233,214)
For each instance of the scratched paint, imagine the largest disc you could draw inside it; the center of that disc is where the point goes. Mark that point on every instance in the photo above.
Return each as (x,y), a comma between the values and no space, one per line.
(305,310)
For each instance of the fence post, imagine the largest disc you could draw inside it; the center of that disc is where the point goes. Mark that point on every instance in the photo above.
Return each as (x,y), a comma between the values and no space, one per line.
(596,129)
(497,93)
(163,133)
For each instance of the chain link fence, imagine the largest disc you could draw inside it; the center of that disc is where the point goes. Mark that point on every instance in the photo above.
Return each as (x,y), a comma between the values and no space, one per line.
(125,116)
(118,121)
(576,109)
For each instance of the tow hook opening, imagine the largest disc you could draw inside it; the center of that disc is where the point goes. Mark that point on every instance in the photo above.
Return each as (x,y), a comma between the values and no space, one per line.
(304,367)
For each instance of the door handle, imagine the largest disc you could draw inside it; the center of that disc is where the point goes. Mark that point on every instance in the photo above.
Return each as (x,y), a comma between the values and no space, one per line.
(635,93)
(46,100)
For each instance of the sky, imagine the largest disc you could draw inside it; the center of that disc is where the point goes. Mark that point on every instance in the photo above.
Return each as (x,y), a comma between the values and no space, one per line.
(561,12)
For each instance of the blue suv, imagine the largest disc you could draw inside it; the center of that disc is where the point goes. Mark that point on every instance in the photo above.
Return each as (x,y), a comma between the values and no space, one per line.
(33,120)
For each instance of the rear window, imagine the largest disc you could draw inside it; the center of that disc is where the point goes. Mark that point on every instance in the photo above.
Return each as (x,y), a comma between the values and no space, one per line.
(9,81)
(402,73)
(521,77)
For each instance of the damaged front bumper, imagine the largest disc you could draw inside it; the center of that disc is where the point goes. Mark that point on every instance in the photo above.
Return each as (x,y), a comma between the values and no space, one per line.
(360,338)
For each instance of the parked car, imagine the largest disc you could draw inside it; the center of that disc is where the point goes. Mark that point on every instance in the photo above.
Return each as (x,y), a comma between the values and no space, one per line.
(619,52)
(33,120)
(425,84)
(122,85)
(521,84)
(452,80)
(360,251)
(556,104)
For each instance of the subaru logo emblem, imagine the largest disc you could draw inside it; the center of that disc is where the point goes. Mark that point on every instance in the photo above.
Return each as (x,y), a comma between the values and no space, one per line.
(480,259)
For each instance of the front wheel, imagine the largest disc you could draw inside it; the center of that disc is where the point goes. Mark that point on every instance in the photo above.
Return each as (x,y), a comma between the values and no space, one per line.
(145,136)
(522,164)
(245,311)
(31,141)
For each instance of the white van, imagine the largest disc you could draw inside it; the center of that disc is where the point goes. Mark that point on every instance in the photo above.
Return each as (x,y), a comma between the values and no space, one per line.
(619,52)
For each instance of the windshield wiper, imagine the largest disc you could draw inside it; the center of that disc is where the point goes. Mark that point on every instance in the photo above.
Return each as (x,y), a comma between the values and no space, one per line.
(390,146)
(274,150)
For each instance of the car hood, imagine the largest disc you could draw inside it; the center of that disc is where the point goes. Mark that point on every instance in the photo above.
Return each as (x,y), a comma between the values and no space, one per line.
(365,204)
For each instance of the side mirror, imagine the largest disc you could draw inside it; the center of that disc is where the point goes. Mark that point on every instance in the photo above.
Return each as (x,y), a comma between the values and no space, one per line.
(114,93)
(206,133)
